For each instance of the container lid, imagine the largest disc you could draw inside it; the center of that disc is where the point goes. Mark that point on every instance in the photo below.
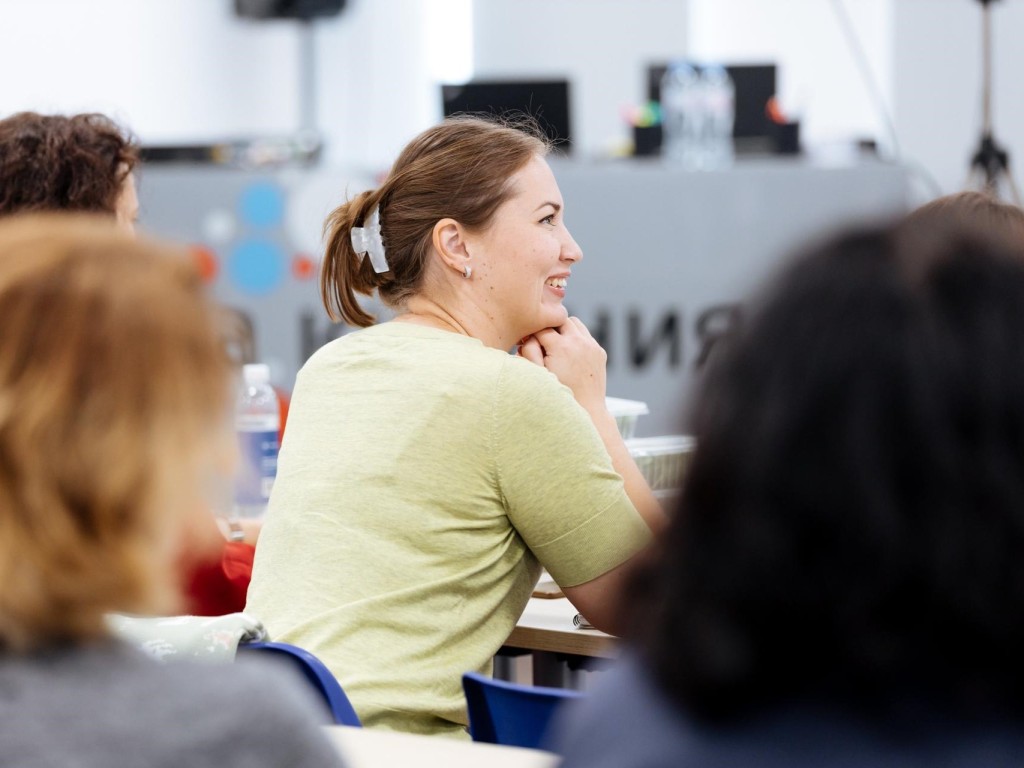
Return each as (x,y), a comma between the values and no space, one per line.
(619,407)
(256,373)
(662,444)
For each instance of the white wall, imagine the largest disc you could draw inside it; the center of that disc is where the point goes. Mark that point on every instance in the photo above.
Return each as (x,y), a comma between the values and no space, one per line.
(937,75)
(374,91)
(190,71)
(925,56)
(602,46)
(818,78)
(171,69)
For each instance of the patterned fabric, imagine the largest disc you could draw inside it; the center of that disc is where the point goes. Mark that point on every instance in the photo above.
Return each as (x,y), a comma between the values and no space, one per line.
(203,638)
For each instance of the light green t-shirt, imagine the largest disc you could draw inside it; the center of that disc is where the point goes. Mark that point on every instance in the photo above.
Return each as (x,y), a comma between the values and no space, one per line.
(423,480)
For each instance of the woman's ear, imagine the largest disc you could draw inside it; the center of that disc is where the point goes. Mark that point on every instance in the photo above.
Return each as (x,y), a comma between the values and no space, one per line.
(449,240)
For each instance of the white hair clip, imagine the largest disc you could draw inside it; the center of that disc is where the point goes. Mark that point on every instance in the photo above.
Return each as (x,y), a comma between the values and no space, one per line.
(368,240)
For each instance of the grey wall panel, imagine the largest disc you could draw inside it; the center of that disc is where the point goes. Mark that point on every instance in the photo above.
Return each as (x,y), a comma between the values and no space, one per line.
(667,253)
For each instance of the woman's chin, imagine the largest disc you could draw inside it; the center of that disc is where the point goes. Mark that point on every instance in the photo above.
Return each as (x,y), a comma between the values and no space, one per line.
(556,317)
(549,320)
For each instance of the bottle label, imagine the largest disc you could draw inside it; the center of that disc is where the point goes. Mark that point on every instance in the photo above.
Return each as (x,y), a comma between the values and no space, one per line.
(258,448)
(256,422)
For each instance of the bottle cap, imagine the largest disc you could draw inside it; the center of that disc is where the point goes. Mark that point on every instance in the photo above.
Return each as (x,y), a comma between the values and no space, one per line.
(256,373)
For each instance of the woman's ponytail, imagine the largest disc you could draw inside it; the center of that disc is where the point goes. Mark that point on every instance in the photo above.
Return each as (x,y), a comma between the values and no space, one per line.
(343,273)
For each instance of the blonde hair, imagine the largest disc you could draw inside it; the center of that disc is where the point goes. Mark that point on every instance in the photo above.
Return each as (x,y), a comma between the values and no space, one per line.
(973,209)
(459,169)
(111,375)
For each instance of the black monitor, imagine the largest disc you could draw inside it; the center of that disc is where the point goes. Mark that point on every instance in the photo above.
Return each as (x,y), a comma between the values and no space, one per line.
(754,83)
(288,9)
(545,100)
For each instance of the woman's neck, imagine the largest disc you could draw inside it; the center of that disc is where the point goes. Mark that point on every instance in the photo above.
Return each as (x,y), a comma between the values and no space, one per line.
(440,321)
(421,311)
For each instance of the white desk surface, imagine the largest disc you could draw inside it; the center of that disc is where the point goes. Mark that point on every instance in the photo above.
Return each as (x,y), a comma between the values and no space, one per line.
(371,748)
(546,625)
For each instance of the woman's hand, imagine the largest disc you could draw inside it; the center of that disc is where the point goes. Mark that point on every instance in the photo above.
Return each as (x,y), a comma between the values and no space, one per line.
(574,356)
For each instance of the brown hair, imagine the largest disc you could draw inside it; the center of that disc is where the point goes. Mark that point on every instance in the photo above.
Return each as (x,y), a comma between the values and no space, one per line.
(112,379)
(973,209)
(52,162)
(459,169)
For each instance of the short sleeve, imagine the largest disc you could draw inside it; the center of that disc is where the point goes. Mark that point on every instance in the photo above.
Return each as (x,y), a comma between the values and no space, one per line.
(557,481)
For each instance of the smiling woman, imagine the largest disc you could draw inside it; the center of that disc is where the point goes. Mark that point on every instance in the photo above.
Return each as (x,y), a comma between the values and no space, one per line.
(427,474)
(521,262)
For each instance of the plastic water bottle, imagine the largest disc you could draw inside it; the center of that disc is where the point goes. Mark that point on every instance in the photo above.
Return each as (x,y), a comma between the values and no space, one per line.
(257,420)
(682,115)
(719,96)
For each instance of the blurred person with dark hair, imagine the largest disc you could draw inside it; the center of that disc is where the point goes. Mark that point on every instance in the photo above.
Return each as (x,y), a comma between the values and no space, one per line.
(115,437)
(78,163)
(842,583)
(87,163)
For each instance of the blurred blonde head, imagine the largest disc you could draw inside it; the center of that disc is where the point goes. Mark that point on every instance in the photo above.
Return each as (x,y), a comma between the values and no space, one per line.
(976,210)
(114,392)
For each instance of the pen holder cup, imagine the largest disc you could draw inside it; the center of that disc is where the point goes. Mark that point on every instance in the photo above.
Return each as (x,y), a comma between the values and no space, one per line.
(646,140)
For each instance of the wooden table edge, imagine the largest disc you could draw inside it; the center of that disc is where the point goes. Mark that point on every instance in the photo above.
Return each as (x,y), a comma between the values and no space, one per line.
(580,642)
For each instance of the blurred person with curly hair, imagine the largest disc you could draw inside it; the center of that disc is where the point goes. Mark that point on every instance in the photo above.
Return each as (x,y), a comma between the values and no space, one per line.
(78,163)
(86,163)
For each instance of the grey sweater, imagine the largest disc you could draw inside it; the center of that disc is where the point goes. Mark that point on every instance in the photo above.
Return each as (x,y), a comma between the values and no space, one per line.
(108,706)
(626,722)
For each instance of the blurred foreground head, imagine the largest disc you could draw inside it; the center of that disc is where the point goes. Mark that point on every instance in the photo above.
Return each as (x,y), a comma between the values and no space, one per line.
(973,209)
(113,425)
(852,523)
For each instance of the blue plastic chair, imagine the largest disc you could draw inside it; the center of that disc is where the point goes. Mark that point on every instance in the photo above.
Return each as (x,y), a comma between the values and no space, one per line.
(313,670)
(506,713)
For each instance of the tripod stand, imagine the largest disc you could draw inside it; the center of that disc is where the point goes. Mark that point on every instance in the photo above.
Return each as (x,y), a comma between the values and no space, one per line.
(990,164)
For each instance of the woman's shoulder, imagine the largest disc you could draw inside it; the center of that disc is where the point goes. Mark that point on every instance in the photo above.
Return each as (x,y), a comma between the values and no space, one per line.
(140,704)
(405,341)
(247,691)
(627,721)
(623,722)
(263,713)
(235,692)
(524,382)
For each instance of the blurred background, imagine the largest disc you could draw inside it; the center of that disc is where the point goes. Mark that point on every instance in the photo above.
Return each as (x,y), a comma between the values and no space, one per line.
(258,116)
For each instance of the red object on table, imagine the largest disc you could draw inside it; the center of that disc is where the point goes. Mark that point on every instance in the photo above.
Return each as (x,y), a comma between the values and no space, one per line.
(218,587)
(283,401)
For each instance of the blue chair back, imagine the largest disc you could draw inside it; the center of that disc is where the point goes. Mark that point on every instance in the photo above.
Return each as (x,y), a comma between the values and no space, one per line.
(506,713)
(314,671)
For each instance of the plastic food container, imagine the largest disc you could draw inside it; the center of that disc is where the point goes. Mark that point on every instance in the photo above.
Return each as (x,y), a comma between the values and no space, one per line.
(626,413)
(662,460)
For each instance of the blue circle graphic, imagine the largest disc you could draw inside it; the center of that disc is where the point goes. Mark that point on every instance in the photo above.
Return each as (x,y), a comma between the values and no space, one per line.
(256,266)
(262,204)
